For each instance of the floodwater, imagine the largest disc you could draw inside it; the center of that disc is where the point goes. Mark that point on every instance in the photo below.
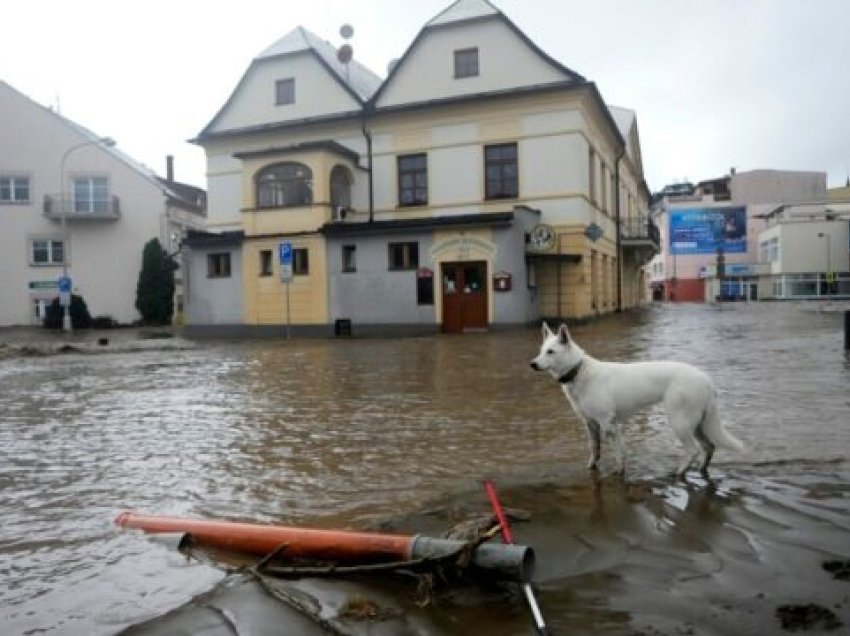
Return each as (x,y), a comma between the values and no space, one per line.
(381,433)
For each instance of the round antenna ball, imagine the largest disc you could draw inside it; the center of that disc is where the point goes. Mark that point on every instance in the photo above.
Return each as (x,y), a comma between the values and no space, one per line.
(345,53)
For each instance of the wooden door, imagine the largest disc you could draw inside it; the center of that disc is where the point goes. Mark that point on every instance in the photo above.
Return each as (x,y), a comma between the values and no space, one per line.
(464,289)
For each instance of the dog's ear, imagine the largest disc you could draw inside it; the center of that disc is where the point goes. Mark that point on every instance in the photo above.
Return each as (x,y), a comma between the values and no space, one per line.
(563,334)
(545,331)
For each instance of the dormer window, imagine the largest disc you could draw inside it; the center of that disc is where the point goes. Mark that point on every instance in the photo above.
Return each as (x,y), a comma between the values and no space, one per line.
(466,63)
(285,91)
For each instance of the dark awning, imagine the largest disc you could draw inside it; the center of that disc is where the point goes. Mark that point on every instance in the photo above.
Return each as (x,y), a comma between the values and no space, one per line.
(417,224)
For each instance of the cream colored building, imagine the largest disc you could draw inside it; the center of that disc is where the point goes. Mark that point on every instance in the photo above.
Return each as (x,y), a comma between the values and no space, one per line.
(112,207)
(482,183)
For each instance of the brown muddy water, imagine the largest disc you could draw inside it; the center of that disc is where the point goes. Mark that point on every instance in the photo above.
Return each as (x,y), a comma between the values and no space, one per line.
(398,434)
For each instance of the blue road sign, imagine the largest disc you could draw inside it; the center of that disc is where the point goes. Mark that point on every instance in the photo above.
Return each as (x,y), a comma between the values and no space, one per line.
(284,251)
(65,284)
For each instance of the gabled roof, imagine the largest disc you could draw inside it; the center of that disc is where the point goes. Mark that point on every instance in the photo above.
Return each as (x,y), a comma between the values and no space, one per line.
(353,76)
(465,11)
(88,135)
(624,118)
(357,80)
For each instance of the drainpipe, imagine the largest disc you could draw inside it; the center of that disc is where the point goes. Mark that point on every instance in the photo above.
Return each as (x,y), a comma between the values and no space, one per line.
(368,136)
(618,232)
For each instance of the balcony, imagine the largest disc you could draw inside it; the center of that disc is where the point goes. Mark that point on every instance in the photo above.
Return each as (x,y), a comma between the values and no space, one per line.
(640,236)
(108,210)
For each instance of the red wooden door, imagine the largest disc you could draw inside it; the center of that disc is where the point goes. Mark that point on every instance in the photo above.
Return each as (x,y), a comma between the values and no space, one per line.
(464,296)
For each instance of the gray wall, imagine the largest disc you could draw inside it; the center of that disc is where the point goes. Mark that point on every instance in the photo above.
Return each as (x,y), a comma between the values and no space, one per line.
(373,294)
(213,301)
(518,306)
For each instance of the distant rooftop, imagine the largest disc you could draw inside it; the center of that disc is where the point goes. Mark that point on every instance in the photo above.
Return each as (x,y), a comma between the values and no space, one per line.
(356,76)
(463,10)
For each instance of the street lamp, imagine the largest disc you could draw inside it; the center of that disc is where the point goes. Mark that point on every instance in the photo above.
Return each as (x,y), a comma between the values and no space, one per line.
(828,238)
(108,142)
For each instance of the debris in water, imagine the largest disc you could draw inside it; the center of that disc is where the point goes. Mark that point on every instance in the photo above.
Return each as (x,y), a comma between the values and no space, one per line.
(799,617)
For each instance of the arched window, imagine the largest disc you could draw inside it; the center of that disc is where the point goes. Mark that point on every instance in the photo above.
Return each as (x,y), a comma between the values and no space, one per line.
(284,185)
(340,187)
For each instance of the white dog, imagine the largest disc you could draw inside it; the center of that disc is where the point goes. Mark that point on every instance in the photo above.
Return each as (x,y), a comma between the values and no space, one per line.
(604,394)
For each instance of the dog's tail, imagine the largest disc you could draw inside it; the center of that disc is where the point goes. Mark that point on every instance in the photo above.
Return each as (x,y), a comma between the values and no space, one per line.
(714,430)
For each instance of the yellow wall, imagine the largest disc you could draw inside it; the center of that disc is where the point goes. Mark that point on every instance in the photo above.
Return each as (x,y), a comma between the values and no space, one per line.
(265,296)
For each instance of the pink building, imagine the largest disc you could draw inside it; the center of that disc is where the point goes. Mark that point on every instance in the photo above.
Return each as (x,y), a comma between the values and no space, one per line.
(721,219)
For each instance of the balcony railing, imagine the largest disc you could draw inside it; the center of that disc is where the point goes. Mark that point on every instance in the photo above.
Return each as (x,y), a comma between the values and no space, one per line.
(108,210)
(641,229)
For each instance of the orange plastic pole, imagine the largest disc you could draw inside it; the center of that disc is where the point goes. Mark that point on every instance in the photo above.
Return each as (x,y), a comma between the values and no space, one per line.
(338,546)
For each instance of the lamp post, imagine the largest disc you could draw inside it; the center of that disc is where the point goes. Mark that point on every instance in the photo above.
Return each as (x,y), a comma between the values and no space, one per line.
(100,141)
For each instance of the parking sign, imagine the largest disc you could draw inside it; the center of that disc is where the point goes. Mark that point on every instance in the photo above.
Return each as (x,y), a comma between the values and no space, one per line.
(285,256)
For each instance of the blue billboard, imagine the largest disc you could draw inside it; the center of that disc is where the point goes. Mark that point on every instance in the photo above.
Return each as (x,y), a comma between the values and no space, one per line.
(704,230)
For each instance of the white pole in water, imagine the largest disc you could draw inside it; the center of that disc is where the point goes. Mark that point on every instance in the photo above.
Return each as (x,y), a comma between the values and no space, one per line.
(507,537)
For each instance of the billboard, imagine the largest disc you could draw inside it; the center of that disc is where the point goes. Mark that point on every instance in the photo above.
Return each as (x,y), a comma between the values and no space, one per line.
(704,230)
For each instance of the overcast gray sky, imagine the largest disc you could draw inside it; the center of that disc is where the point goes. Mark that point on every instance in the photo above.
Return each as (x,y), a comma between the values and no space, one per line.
(715,83)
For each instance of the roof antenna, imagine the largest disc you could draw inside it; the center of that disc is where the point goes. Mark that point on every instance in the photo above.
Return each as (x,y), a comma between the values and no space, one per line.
(345,52)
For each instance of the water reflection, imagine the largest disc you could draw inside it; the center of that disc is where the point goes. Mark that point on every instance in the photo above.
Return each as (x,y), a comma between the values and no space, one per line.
(346,433)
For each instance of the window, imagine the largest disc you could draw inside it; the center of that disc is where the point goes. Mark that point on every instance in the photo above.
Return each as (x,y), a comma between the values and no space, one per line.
(349,258)
(466,63)
(91,195)
(284,185)
(413,180)
(591,175)
(340,187)
(14,189)
(47,252)
(265,262)
(300,262)
(403,256)
(500,171)
(425,289)
(603,181)
(218,265)
(284,91)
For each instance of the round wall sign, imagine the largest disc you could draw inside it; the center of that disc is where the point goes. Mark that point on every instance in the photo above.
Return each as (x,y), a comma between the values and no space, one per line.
(542,237)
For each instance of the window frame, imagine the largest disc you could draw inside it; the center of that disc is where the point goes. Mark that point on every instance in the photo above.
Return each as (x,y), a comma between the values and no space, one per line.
(272,190)
(349,258)
(300,261)
(415,172)
(12,183)
(50,248)
(465,65)
(217,263)
(93,197)
(408,251)
(500,164)
(266,263)
(284,91)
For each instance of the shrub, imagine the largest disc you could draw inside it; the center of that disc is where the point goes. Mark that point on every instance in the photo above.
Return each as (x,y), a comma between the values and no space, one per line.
(80,317)
(155,289)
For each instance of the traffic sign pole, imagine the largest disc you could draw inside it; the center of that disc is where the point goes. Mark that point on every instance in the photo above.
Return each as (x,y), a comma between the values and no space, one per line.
(284,251)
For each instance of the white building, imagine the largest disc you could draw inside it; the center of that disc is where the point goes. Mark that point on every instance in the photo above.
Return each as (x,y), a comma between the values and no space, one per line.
(806,250)
(112,206)
(481,184)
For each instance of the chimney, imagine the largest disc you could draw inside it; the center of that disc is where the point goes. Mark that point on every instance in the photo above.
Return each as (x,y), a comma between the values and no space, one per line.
(169,167)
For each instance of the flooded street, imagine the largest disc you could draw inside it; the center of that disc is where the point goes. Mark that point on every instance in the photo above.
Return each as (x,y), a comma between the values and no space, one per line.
(353,433)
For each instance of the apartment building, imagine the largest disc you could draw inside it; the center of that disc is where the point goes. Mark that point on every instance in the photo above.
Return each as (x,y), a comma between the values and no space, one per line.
(72,204)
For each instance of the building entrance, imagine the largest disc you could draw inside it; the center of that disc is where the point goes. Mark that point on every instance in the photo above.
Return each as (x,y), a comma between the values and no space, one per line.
(464,296)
